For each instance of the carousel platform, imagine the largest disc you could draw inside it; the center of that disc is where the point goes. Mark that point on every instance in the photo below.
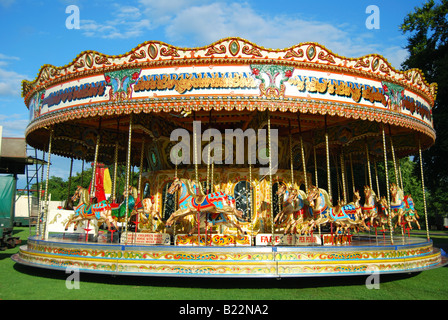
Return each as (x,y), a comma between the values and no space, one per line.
(362,256)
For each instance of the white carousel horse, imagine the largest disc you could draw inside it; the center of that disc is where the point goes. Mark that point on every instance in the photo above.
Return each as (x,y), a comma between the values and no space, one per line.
(85,211)
(217,207)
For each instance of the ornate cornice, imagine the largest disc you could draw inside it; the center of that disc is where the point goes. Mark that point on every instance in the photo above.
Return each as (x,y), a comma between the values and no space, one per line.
(230,51)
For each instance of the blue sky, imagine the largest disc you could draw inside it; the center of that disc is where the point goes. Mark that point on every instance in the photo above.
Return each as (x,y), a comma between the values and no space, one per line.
(34,33)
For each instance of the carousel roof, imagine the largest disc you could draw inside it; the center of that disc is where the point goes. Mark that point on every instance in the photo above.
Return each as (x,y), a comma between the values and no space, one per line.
(228,84)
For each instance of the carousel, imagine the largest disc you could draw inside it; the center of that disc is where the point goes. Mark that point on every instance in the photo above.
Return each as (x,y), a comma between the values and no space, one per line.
(249,162)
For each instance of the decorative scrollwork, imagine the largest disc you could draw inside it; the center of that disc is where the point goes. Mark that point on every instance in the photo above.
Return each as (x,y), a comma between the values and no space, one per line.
(292,53)
(252,51)
(102,60)
(362,63)
(79,64)
(326,57)
(169,52)
(384,68)
(137,55)
(214,50)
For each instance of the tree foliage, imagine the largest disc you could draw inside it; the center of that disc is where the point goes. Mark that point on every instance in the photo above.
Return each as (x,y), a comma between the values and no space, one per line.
(427,30)
(59,188)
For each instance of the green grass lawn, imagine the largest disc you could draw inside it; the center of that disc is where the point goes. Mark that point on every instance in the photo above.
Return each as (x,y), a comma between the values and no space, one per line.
(20,282)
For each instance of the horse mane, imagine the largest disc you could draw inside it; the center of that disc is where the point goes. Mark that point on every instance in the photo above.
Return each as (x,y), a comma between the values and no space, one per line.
(400,193)
(302,194)
(190,189)
(84,196)
(326,196)
(134,192)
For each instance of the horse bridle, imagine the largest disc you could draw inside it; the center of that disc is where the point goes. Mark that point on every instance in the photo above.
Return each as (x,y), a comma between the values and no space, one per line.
(76,195)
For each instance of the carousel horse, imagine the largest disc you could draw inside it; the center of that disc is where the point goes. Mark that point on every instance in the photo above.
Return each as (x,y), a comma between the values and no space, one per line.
(85,211)
(119,211)
(397,204)
(355,213)
(369,209)
(150,215)
(410,212)
(318,205)
(217,207)
(342,215)
(381,218)
(293,208)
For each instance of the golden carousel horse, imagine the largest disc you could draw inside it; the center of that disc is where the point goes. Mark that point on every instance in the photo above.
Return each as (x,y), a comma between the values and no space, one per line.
(369,209)
(151,217)
(381,218)
(344,216)
(397,205)
(214,208)
(296,211)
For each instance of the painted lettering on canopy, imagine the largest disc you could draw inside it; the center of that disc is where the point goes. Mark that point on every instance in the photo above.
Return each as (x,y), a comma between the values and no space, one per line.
(182,82)
(356,91)
(83,91)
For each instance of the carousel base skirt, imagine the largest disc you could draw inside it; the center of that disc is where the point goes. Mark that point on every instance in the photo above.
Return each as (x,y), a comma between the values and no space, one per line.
(362,256)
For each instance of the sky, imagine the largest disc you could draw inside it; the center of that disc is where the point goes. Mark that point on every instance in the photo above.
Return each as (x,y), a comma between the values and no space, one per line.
(37,32)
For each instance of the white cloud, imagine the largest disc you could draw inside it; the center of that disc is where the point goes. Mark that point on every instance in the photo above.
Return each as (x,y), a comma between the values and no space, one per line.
(5,57)
(188,23)
(211,22)
(10,81)
(14,125)
(126,22)
(6,3)
(395,55)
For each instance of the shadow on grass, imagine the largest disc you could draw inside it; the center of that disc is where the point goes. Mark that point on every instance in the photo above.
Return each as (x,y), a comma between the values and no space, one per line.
(9,252)
(215,283)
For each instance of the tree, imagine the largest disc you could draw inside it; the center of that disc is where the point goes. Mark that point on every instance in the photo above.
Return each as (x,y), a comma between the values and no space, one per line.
(427,28)
(59,188)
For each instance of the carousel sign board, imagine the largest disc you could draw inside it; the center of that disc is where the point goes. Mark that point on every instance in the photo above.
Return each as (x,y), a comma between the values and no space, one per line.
(217,240)
(146,238)
(287,239)
(229,82)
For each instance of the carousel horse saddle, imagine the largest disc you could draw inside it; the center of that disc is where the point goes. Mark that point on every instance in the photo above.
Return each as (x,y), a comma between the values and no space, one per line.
(199,198)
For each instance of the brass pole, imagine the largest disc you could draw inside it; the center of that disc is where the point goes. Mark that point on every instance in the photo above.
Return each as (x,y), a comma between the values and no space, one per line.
(270,179)
(315,167)
(45,231)
(142,155)
(368,165)
(327,151)
(290,156)
(387,185)
(303,154)
(39,201)
(128,169)
(377,182)
(97,145)
(423,188)
(344,191)
(114,185)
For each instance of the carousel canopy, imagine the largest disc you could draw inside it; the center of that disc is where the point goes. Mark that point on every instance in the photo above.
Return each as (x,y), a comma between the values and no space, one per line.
(231,83)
